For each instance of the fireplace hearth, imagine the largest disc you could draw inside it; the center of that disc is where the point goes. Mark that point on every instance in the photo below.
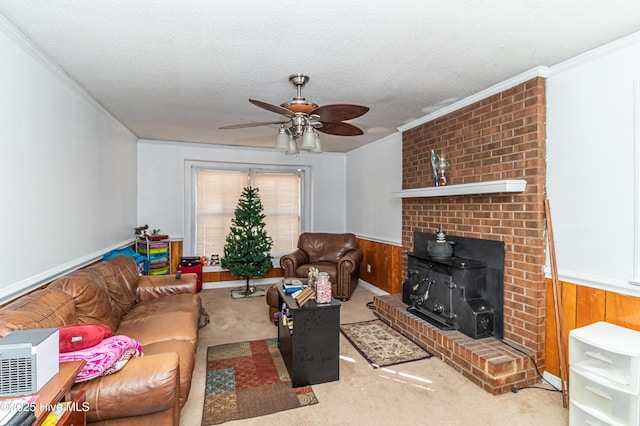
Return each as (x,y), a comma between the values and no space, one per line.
(463,291)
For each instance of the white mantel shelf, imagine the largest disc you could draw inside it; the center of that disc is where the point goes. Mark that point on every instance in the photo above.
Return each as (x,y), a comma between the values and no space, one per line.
(494,186)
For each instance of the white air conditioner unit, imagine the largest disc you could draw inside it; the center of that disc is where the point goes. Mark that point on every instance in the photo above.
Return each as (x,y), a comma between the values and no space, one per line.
(28,360)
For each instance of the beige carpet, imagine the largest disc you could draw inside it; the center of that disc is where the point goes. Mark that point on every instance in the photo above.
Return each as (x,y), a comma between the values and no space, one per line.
(426,392)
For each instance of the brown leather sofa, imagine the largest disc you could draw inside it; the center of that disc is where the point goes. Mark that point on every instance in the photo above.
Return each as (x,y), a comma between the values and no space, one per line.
(337,254)
(160,312)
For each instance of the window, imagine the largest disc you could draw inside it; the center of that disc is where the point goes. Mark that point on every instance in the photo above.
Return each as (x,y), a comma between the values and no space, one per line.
(215,190)
(280,196)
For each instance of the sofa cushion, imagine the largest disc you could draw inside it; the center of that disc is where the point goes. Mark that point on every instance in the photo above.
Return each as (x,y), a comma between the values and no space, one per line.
(146,385)
(46,308)
(329,268)
(187,357)
(92,301)
(121,277)
(175,317)
(81,336)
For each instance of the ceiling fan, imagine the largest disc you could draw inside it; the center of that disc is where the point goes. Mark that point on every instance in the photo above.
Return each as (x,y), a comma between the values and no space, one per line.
(304,119)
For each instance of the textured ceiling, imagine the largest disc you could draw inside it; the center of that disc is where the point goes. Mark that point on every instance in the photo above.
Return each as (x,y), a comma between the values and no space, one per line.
(178,70)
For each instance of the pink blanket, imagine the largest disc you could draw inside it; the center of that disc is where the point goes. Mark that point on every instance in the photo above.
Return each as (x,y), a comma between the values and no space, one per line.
(106,357)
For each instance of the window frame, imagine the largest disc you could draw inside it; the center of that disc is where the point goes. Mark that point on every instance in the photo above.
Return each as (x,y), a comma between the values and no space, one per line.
(191,166)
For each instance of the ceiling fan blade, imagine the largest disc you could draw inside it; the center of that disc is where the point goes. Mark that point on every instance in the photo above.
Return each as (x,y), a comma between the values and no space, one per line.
(240,126)
(336,113)
(273,108)
(340,129)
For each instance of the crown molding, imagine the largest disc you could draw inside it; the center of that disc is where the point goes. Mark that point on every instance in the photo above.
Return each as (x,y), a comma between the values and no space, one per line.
(596,53)
(540,71)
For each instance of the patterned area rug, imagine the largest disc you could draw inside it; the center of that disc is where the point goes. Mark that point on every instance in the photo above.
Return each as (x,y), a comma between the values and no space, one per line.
(249,379)
(381,345)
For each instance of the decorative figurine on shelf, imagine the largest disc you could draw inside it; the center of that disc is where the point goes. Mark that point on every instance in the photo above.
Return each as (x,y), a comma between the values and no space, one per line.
(442,167)
(433,167)
(140,230)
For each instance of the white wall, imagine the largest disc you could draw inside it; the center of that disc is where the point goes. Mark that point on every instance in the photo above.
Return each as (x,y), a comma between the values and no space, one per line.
(374,171)
(67,171)
(592,150)
(161,176)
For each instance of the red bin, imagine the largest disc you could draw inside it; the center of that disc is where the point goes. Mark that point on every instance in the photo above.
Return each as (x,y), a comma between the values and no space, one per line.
(192,265)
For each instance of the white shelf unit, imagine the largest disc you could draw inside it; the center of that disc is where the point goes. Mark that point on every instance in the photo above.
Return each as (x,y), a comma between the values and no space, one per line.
(489,187)
(604,375)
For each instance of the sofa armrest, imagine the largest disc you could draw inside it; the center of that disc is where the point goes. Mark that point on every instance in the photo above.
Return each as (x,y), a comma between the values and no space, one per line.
(290,262)
(155,286)
(146,385)
(350,261)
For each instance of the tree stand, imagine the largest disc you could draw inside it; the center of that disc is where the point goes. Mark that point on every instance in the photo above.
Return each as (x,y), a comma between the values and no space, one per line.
(247,291)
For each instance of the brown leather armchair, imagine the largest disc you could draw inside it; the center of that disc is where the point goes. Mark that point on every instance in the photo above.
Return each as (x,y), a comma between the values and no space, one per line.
(336,254)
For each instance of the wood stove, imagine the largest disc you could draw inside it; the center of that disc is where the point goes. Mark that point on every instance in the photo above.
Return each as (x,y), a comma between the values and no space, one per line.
(464,291)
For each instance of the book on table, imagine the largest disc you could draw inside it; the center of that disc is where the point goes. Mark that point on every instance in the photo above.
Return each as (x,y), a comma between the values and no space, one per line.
(292,286)
(304,296)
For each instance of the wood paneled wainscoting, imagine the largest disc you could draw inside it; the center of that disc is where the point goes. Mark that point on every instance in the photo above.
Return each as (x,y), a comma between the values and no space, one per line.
(384,261)
(582,305)
(176,254)
(214,276)
(381,265)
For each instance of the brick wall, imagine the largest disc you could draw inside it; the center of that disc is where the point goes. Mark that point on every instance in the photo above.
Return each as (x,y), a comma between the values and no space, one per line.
(500,137)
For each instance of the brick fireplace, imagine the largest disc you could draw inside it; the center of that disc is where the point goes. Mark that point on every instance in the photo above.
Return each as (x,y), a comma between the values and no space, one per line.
(499,137)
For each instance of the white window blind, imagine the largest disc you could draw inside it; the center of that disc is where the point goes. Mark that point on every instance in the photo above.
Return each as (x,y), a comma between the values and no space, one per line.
(217,193)
(280,196)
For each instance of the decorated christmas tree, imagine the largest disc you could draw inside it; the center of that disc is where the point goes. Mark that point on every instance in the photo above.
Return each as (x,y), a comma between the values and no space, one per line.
(247,249)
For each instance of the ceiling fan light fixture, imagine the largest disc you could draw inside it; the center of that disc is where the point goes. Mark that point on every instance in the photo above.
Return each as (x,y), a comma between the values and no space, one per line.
(308,138)
(318,148)
(293,148)
(282,139)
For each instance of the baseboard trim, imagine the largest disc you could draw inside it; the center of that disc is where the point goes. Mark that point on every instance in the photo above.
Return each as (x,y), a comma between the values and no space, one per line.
(372,288)
(555,381)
